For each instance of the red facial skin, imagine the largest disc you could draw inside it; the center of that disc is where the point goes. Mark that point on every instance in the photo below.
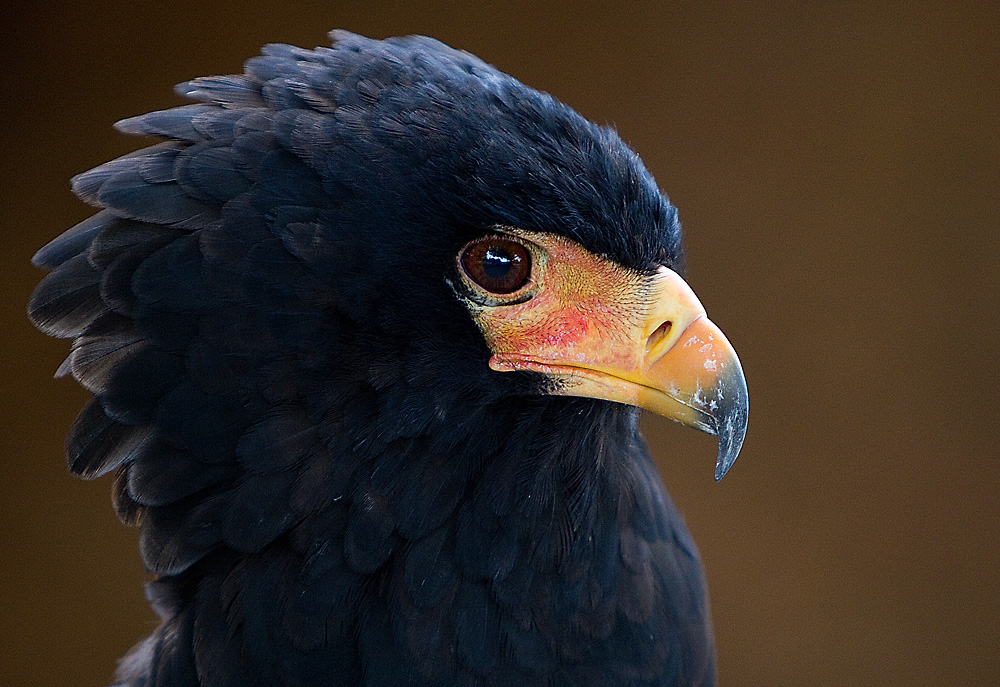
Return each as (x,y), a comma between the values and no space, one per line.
(579,300)
(601,330)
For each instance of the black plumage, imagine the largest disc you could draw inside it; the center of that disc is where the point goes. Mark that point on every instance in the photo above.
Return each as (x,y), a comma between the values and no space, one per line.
(332,485)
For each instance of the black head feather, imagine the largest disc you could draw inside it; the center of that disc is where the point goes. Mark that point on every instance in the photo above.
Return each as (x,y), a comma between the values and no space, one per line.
(330,480)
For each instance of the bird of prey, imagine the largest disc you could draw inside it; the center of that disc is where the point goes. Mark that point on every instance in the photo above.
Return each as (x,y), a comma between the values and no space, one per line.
(367,332)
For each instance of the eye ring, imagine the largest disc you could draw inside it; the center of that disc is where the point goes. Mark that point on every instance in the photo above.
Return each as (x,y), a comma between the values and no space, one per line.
(497,264)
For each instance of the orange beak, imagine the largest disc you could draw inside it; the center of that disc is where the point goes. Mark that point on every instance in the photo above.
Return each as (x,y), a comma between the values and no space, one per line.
(603,332)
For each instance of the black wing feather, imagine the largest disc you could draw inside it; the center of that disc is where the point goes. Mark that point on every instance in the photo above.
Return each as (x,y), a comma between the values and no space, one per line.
(69,299)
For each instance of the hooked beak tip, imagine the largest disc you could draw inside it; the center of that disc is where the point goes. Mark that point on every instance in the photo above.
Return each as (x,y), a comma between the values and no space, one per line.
(731,420)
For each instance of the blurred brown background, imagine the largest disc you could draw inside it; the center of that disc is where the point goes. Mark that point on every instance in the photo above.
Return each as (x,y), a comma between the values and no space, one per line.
(836,166)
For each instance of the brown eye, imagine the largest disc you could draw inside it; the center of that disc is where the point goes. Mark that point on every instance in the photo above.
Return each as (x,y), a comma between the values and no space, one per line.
(497,264)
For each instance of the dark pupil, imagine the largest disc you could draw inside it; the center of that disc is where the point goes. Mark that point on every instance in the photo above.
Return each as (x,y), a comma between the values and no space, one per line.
(498,262)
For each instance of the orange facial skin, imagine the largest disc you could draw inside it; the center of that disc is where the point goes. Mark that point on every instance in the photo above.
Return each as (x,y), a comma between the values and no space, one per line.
(604,331)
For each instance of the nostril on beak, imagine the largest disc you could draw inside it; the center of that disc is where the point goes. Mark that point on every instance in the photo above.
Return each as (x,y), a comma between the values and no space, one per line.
(658,335)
